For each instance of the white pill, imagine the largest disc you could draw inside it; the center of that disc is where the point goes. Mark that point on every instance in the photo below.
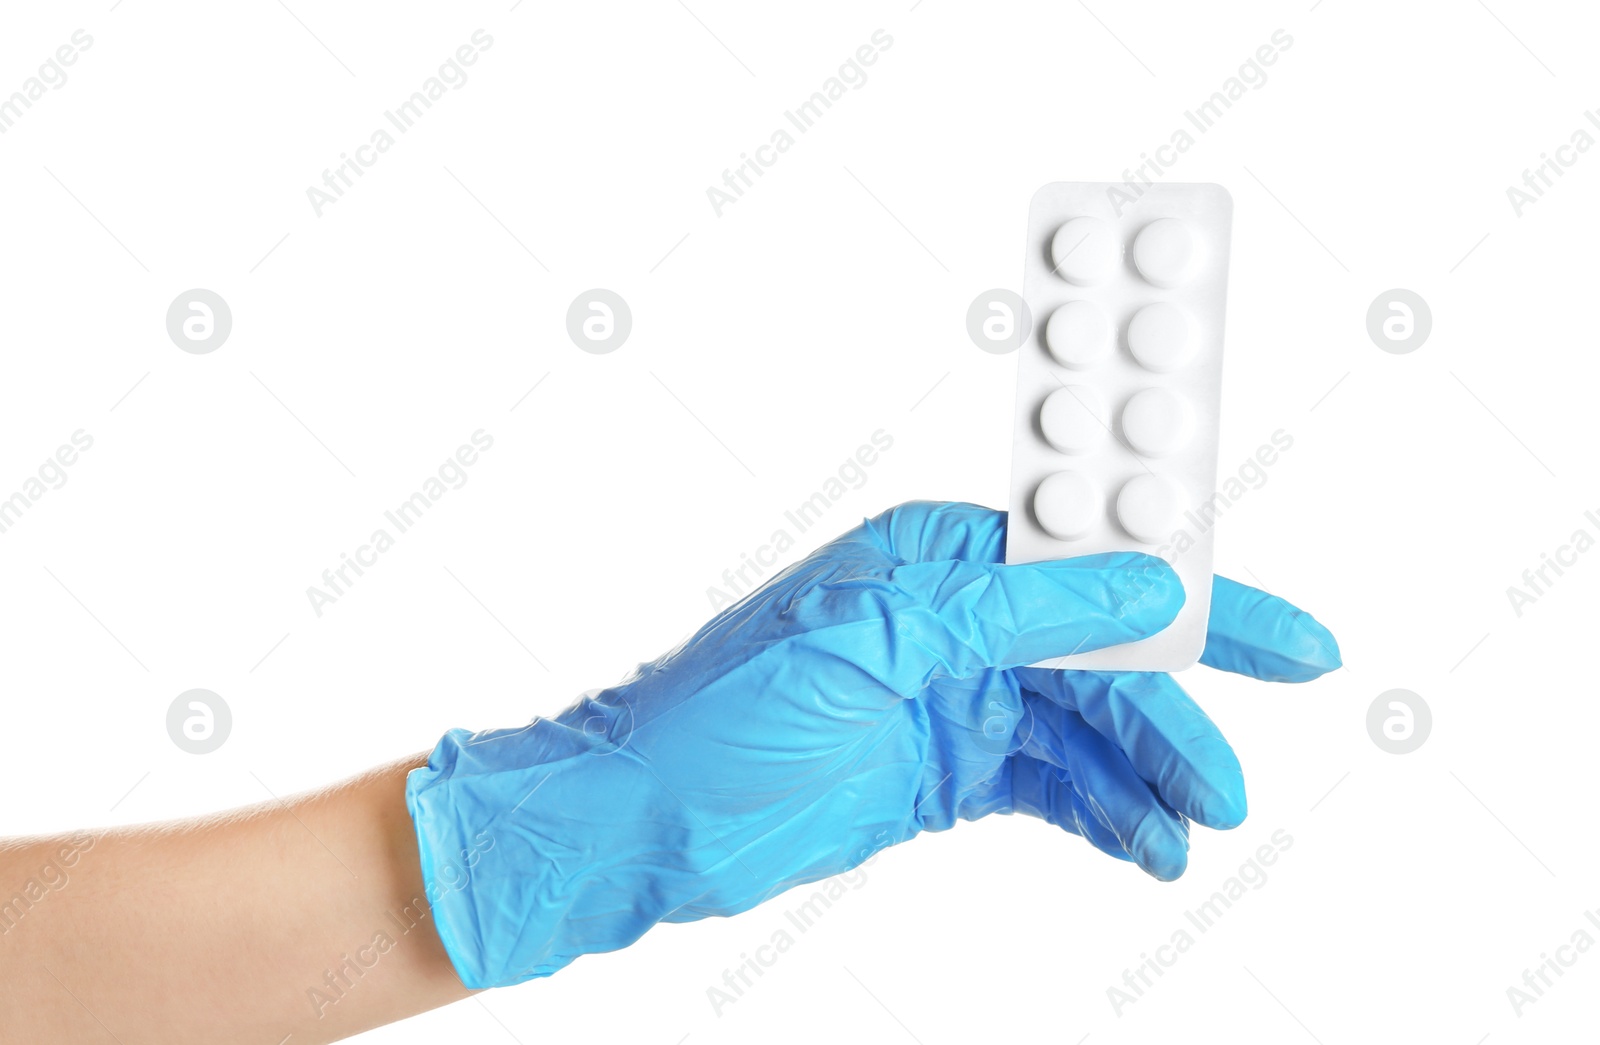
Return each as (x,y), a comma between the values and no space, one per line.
(1163,252)
(1156,422)
(1067,505)
(1147,507)
(1161,337)
(1085,251)
(1078,334)
(1074,419)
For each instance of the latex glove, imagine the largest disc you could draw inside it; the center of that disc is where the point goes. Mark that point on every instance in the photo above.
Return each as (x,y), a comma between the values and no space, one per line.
(863,695)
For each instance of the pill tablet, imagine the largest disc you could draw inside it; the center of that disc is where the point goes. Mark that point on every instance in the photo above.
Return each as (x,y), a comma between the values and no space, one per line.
(1085,251)
(1161,337)
(1067,505)
(1079,335)
(1155,422)
(1147,507)
(1163,252)
(1073,419)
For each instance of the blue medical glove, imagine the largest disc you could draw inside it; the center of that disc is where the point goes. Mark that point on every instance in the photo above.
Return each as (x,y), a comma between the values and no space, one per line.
(865,694)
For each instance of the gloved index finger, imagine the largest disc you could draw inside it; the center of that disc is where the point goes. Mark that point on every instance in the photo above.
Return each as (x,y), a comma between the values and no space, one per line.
(971,616)
(1260,635)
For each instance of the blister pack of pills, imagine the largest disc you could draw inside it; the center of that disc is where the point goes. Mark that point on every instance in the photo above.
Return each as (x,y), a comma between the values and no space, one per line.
(1119,391)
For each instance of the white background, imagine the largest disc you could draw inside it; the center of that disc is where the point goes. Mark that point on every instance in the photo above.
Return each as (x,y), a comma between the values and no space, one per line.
(767,345)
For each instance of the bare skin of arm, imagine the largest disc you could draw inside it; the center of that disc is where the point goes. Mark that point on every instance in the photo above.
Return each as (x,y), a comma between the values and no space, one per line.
(304,918)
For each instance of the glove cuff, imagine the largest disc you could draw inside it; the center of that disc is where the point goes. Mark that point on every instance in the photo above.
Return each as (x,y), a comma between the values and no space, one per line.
(511,833)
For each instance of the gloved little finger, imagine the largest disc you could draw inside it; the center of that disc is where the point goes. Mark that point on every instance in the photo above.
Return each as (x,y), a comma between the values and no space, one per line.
(1166,736)
(1045,791)
(1150,831)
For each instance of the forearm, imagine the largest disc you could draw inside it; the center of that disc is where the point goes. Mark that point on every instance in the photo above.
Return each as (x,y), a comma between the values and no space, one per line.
(303,917)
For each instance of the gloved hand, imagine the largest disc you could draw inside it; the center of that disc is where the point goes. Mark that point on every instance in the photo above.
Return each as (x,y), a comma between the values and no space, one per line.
(867,693)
